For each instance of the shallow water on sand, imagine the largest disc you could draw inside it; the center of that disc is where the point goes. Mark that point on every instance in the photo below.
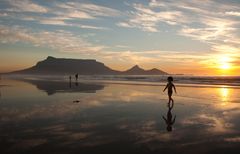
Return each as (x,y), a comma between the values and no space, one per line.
(39,116)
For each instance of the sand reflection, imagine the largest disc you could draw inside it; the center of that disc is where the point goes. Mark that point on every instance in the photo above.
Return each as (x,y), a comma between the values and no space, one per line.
(224,94)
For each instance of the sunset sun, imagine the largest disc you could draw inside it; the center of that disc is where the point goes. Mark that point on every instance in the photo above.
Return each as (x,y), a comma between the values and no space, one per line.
(224,63)
(225,66)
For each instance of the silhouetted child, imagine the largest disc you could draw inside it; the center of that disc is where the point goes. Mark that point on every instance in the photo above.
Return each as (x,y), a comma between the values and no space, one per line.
(170,86)
(169,121)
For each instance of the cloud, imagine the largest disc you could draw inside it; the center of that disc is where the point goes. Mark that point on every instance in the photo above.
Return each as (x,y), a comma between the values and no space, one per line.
(26,6)
(84,10)
(147,19)
(192,19)
(223,48)
(60,21)
(53,21)
(219,32)
(150,59)
(58,13)
(60,40)
(215,30)
(3,14)
(233,13)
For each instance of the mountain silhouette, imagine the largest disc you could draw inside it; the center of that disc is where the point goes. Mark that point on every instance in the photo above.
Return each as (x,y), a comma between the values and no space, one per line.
(64,66)
(56,66)
(136,70)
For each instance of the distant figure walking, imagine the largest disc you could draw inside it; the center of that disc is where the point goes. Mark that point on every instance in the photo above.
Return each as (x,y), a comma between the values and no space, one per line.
(170,86)
(168,120)
(76,76)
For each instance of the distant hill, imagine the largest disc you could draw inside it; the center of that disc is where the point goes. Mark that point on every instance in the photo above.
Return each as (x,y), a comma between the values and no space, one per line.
(136,70)
(63,66)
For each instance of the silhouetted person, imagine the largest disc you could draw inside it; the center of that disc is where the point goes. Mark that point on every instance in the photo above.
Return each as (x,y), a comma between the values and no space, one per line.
(76,76)
(170,86)
(168,120)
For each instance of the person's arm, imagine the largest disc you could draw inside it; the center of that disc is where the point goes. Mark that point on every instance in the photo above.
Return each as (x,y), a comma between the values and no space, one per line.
(165,88)
(164,119)
(174,88)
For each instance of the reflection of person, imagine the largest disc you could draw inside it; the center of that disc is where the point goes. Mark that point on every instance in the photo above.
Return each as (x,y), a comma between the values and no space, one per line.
(76,83)
(170,86)
(168,120)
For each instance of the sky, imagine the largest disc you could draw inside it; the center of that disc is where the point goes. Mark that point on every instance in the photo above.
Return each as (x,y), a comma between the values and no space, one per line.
(200,37)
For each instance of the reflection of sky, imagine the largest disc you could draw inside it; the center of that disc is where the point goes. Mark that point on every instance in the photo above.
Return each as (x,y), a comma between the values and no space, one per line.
(126,114)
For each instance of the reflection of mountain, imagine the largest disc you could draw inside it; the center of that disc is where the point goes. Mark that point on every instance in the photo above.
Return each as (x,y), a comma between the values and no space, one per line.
(51,87)
(61,66)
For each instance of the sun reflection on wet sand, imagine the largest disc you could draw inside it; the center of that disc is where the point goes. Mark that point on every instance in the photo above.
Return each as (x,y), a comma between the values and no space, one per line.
(224,94)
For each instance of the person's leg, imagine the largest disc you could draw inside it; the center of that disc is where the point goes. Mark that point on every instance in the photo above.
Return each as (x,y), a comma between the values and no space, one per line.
(169,96)
(172,103)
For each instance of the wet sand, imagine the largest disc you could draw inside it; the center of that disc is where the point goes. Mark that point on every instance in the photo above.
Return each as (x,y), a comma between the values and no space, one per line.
(117,118)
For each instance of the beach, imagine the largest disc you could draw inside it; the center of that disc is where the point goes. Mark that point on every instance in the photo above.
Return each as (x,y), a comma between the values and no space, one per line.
(43,116)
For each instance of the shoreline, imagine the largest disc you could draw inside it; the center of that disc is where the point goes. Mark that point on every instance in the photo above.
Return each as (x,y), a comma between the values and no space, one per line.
(126,82)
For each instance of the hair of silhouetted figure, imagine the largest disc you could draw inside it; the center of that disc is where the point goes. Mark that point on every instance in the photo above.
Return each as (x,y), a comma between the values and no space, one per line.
(170,78)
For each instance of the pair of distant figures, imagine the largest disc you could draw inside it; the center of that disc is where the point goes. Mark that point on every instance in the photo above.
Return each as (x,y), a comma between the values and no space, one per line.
(76,77)
(70,80)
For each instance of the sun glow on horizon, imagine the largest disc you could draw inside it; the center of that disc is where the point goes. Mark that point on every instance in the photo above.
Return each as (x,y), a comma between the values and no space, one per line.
(225,66)
(224,63)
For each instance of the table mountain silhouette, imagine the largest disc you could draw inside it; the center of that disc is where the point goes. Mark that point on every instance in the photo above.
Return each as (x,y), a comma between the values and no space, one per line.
(64,66)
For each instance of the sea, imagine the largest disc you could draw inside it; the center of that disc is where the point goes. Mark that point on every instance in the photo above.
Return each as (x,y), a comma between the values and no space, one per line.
(183,80)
